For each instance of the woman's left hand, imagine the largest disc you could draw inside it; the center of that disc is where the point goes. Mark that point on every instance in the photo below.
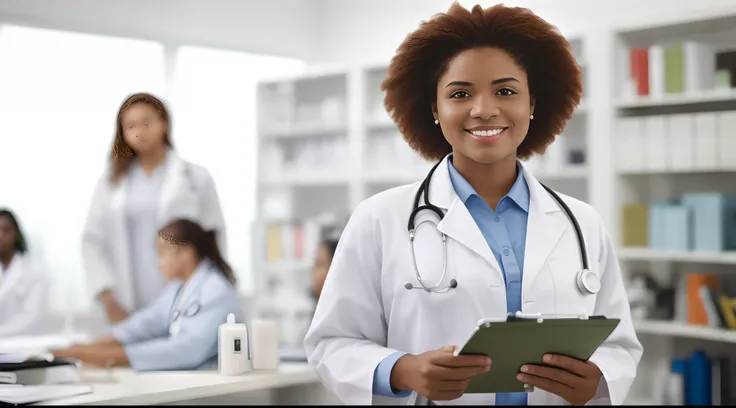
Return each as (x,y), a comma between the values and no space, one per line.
(574,380)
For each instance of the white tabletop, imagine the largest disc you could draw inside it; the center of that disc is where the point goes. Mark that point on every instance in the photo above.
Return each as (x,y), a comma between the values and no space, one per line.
(130,388)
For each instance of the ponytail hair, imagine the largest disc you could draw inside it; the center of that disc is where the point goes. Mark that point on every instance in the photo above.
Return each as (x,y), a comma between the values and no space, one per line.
(204,242)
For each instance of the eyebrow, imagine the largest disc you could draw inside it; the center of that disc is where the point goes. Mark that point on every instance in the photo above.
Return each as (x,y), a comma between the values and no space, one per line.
(494,82)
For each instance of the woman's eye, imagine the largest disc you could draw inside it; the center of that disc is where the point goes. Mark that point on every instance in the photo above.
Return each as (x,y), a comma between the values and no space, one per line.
(506,92)
(459,94)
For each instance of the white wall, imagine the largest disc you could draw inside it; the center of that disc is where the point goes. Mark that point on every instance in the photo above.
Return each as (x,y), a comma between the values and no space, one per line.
(355,31)
(282,27)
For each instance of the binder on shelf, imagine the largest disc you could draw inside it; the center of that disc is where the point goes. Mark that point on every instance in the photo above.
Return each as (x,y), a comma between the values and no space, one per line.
(530,337)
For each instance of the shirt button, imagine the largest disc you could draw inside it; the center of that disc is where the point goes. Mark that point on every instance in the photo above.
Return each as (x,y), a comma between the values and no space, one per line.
(497,219)
(506,252)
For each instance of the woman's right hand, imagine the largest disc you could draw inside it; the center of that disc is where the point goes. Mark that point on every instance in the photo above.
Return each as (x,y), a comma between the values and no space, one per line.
(437,375)
(115,313)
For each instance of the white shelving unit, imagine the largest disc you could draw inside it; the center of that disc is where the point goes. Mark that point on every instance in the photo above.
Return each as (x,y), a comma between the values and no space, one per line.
(664,148)
(564,166)
(306,181)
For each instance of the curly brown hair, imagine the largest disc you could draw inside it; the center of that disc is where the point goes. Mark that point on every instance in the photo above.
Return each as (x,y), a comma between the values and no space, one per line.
(410,85)
(122,154)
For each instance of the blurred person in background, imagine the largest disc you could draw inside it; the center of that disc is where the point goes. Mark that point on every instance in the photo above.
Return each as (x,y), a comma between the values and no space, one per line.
(22,288)
(322,261)
(179,329)
(145,186)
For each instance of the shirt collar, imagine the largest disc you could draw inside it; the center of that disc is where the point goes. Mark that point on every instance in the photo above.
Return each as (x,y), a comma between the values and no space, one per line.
(519,192)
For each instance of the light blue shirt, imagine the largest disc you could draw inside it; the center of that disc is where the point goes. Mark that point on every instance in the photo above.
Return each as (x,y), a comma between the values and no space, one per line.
(143,192)
(505,232)
(145,335)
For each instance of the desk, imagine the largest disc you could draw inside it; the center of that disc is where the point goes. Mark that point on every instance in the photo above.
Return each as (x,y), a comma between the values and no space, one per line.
(176,386)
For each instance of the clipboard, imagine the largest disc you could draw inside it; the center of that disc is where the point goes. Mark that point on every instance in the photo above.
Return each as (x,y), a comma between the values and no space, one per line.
(524,339)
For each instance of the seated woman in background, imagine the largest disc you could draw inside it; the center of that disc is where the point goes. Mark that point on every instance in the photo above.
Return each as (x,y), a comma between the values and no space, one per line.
(322,263)
(21,287)
(178,331)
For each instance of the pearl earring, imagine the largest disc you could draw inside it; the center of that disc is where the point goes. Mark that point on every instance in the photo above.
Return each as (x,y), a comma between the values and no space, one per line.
(531,117)
(436,121)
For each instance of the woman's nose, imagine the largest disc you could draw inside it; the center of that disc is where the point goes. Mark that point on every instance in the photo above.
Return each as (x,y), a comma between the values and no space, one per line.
(484,107)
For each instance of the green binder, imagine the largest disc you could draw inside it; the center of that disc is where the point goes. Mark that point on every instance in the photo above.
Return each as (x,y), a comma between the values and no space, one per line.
(515,341)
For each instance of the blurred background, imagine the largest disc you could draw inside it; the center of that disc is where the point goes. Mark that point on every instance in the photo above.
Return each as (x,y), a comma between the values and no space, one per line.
(280,100)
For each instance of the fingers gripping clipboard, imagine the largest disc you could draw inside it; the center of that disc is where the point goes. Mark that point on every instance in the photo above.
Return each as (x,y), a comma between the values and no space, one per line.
(524,339)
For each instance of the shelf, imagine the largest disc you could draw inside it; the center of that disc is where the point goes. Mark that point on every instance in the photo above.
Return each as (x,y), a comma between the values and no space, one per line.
(396,176)
(666,172)
(675,329)
(310,178)
(646,254)
(288,265)
(306,130)
(702,97)
(569,173)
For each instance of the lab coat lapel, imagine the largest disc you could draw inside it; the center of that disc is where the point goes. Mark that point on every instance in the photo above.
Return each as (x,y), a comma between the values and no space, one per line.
(547,222)
(11,276)
(458,224)
(171,184)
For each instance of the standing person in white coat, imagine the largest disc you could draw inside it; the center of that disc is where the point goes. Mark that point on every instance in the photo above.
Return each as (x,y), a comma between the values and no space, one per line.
(22,288)
(145,186)
(476,91)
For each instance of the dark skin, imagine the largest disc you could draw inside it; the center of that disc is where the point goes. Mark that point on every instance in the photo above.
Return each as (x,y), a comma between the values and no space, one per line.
(7,241)
(484,106)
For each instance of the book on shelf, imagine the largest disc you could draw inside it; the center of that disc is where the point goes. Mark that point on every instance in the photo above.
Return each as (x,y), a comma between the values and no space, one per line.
(297,240)
(676,68)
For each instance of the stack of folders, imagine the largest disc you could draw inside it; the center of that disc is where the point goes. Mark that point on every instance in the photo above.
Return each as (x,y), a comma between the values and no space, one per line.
(24,380)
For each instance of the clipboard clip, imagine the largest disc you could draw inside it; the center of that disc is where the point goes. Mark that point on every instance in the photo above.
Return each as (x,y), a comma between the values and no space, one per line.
(540,316)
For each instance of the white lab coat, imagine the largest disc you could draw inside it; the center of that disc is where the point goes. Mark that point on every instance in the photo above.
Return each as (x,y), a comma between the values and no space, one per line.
(188,192)
(204,303)
(365,314)
(22,298)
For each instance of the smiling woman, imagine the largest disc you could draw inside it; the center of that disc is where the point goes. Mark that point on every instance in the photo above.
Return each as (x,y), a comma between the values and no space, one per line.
(474,90)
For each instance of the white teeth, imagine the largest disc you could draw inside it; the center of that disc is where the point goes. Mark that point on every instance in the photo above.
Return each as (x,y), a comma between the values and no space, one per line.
(486,133)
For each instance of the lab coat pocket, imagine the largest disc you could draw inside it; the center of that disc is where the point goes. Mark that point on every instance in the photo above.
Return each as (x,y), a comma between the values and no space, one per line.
(569,298)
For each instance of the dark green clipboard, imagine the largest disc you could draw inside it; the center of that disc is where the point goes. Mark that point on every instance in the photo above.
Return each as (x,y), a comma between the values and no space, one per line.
(515,342)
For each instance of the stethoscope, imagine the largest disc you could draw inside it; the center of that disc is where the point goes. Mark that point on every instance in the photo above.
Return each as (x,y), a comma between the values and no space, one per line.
(176,313)
(586,281)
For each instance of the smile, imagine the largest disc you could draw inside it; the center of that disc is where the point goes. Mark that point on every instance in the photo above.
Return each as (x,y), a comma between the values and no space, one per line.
(487,135)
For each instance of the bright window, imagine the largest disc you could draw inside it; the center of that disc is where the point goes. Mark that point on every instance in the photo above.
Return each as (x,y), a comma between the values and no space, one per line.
(59,93)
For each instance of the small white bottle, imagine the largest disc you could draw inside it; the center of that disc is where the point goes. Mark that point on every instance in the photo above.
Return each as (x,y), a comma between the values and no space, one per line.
(232,348)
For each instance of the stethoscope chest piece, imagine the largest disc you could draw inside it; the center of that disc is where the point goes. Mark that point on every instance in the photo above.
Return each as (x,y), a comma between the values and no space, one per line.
(588,282)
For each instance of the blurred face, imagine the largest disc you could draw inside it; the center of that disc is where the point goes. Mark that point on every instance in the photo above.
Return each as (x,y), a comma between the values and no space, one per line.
(174,261)
(319,270)
(143,128)
(484,105)
(7,236)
